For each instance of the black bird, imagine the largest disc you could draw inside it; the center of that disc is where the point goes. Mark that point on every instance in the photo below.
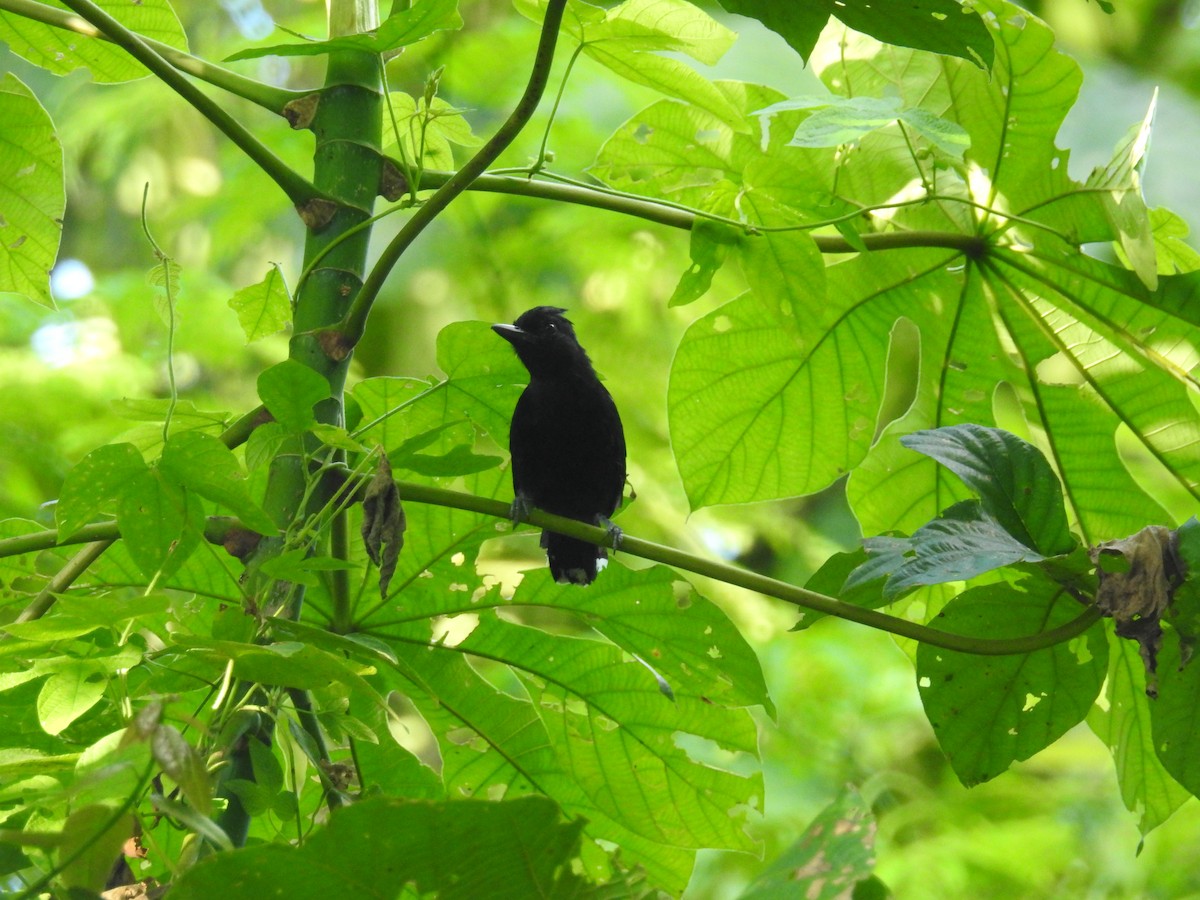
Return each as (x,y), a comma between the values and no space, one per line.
(567,444)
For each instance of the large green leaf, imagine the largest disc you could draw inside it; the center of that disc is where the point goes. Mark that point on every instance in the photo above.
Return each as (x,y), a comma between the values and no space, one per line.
(406,25)
(458,851)
(1015,484)
(1124,724)
(32,193)
(1175,715)
(834,858)
(654,668)
(942,26)
(990,712)
(60,51)
(1004,305)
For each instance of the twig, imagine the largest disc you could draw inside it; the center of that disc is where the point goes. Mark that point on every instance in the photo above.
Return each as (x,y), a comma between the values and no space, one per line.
(356,317)
(271,98)
(298,189)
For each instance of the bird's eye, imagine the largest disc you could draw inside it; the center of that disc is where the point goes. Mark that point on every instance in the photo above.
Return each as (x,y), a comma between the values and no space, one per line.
(550,326)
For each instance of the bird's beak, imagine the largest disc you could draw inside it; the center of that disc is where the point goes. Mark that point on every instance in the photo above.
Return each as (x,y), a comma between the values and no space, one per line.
(510,333)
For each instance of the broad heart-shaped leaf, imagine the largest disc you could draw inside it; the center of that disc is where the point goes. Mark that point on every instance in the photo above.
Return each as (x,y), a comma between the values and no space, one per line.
(59,51)
(991,711)
(776,393)
(200,462)
(406,25)
(620,37)
(1045,328)
(591,724)
(1124,725)
(161,524)
(1015,484)
(289,390)
(458,850)
(32,192)
(667,76)
(94,484)
(942,26)
(263,308)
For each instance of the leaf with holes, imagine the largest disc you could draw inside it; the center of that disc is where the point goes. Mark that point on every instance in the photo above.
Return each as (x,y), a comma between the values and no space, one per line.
(989,712)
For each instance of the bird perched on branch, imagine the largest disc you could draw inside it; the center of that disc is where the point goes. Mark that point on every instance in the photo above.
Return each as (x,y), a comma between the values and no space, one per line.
(567,444)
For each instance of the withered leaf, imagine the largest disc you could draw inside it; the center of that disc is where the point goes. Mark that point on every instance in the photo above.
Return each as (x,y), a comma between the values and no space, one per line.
(383,522)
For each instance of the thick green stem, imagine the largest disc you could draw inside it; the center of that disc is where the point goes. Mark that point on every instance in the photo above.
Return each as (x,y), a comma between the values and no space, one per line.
(356,319)
(347,164)
(270,98)
(298,189)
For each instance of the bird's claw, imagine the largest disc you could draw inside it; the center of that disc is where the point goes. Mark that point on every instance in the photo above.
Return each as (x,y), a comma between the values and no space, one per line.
(519,511)
(614,533)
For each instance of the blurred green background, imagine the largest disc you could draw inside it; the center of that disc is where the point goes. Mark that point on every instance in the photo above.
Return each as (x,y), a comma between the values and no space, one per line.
(847,699)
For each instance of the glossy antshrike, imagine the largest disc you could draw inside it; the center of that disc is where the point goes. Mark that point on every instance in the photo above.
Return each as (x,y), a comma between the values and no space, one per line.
(567,444)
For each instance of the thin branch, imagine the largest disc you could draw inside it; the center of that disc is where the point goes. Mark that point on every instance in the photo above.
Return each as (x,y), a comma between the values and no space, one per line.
(63,579)
(356,318)
(298,189)
(678,216)
(760,584)
(272,99)
(752,581)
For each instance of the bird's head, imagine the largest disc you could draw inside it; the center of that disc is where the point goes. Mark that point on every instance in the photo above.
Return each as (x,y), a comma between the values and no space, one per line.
(545,342)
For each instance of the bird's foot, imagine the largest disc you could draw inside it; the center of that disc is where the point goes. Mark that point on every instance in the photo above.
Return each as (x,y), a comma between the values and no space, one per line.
(614,533)
(519,511)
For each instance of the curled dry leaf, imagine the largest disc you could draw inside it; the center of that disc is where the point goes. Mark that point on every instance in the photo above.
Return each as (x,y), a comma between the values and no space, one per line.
(1138,578)
(383,522)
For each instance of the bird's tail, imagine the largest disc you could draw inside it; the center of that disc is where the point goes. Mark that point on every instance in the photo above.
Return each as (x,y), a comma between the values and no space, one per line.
(572,561)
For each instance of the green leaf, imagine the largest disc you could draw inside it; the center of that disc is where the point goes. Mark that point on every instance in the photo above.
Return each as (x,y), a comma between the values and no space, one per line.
(830,579)
(459,461)
(1124,205)
(1173,253)
(989,712)
(800,24)
(284,663)
(834,855)
(32,192)
(670,77)
(60,51)
(431,129)
(964,544)
(74,687)
(942,26)
(182,764)
(610,692)
(1175,715)
(949,137)
(845,120)
(94,485)
(91,840)
(669,25)
(764,399)
(265,308)
(160,523)
(1124,725)
(201,463)
(51,628)
(1015,484)
(403,27)
(710,242)
(289,390)
(458,850)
